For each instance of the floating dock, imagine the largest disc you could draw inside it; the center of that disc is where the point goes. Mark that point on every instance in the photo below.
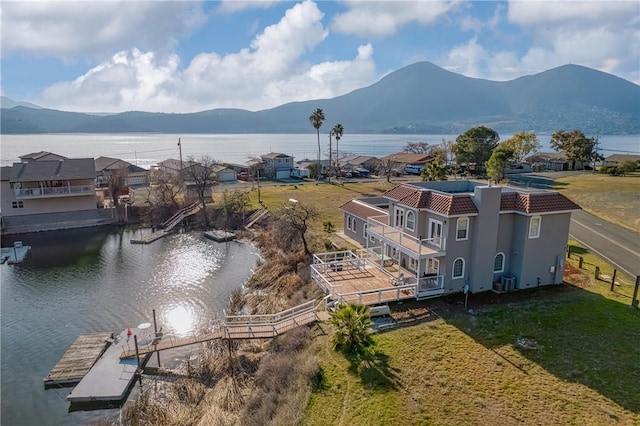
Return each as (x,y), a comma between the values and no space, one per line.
(109,381)
(149,238)
(219,235)
(78,360)
(15,254)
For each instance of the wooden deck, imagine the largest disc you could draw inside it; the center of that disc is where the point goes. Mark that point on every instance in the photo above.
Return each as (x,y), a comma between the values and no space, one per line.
(110,379)
(78,359)
(369,285)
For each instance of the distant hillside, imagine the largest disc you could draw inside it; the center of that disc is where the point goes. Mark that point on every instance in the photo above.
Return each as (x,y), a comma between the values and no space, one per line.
(420,98)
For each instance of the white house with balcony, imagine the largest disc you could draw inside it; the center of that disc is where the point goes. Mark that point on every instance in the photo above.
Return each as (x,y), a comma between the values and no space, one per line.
(435,238)
(48,193)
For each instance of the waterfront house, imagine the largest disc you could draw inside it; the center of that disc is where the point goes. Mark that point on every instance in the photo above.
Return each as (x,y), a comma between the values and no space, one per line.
(107,166)
(356,163)
(224,173)
(406,162)
(553,161)
(40,156)
(50,192)
(436,238)
(307,163)
(277,165)
(615,159)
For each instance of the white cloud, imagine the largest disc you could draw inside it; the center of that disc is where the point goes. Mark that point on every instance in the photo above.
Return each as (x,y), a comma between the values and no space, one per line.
(267,73)
(385,18)
(68,28)
(468,59)
(477,25)
(600,35)
(233,6)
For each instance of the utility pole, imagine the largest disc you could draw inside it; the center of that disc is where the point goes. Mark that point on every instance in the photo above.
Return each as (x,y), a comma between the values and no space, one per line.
(180,148)
(329,168)
(595,158)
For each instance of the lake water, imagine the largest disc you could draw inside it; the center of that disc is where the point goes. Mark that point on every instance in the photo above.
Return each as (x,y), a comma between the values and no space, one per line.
(146,149)
(96,280)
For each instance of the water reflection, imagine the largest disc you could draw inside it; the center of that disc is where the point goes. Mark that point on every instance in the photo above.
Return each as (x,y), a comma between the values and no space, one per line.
(92,281)
(180,320)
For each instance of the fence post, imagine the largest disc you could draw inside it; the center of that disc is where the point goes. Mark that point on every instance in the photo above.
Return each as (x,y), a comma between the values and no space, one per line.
(597,273)
(613,278)
(634,301)
(580,263)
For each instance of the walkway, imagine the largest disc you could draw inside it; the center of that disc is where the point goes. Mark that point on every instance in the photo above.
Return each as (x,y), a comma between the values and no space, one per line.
(168,225)
(240,327)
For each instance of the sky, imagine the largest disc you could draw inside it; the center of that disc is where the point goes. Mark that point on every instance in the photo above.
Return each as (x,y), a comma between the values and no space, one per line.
(183,56)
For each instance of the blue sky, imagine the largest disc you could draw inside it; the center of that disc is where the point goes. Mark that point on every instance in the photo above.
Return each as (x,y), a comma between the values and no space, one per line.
(110,56)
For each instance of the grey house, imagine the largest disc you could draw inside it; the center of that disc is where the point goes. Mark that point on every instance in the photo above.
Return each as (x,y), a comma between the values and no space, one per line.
(442,236)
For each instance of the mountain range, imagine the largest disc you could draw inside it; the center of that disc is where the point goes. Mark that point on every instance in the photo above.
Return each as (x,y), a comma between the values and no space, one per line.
(421,98)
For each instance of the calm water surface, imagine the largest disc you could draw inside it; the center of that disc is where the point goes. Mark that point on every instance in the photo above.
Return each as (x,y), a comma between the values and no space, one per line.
(146,149)
(96,280)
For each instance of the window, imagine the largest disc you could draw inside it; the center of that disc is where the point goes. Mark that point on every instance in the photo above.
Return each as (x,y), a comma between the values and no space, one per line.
(462,229)
(399,218)
(458,268)
(435,232)
(498,263)
(365,234)
(534,227)
(349,222)
(411,220)
(413,264)
(433,266)
(17,204)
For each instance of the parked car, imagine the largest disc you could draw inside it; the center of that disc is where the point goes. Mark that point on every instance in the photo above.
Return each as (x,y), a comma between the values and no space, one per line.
(245,176)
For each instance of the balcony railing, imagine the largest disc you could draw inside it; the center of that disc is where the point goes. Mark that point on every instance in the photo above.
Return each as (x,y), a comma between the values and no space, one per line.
(402,240)
(430,285)
(58,191)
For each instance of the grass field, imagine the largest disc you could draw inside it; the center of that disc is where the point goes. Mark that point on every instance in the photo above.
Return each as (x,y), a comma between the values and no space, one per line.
(614,198)
(563,355)
(327,198)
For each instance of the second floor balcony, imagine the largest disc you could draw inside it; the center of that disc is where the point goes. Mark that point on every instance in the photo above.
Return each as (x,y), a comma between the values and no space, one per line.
(405,242)
(66,190)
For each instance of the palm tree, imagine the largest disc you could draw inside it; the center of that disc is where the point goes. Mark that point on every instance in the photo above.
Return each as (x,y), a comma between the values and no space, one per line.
(316,119)
(337,131)
(352,334)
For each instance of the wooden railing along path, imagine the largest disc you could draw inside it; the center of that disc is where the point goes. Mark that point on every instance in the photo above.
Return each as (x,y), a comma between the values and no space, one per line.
(238,327)
(169,224)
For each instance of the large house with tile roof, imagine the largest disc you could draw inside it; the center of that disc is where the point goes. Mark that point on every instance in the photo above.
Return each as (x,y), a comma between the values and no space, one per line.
(444,236)
(46,191)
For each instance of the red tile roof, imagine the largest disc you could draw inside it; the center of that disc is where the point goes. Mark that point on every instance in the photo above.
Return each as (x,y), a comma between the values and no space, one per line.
(462,204)
(536,202)
(362,210)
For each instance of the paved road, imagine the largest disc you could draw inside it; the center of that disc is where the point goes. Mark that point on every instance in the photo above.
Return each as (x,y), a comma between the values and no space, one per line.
(617,245)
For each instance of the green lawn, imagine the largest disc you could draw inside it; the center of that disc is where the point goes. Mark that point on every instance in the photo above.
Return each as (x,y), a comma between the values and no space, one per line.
(614,198)
(578,365)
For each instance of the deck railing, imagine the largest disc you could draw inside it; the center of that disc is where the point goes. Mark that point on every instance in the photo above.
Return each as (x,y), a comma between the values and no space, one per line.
(378,226)
(382,295)
(58,191)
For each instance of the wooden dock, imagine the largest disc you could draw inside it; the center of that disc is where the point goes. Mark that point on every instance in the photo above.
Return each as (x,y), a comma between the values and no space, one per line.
(78,360)
(111,377)
(109,381)
(219,235)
